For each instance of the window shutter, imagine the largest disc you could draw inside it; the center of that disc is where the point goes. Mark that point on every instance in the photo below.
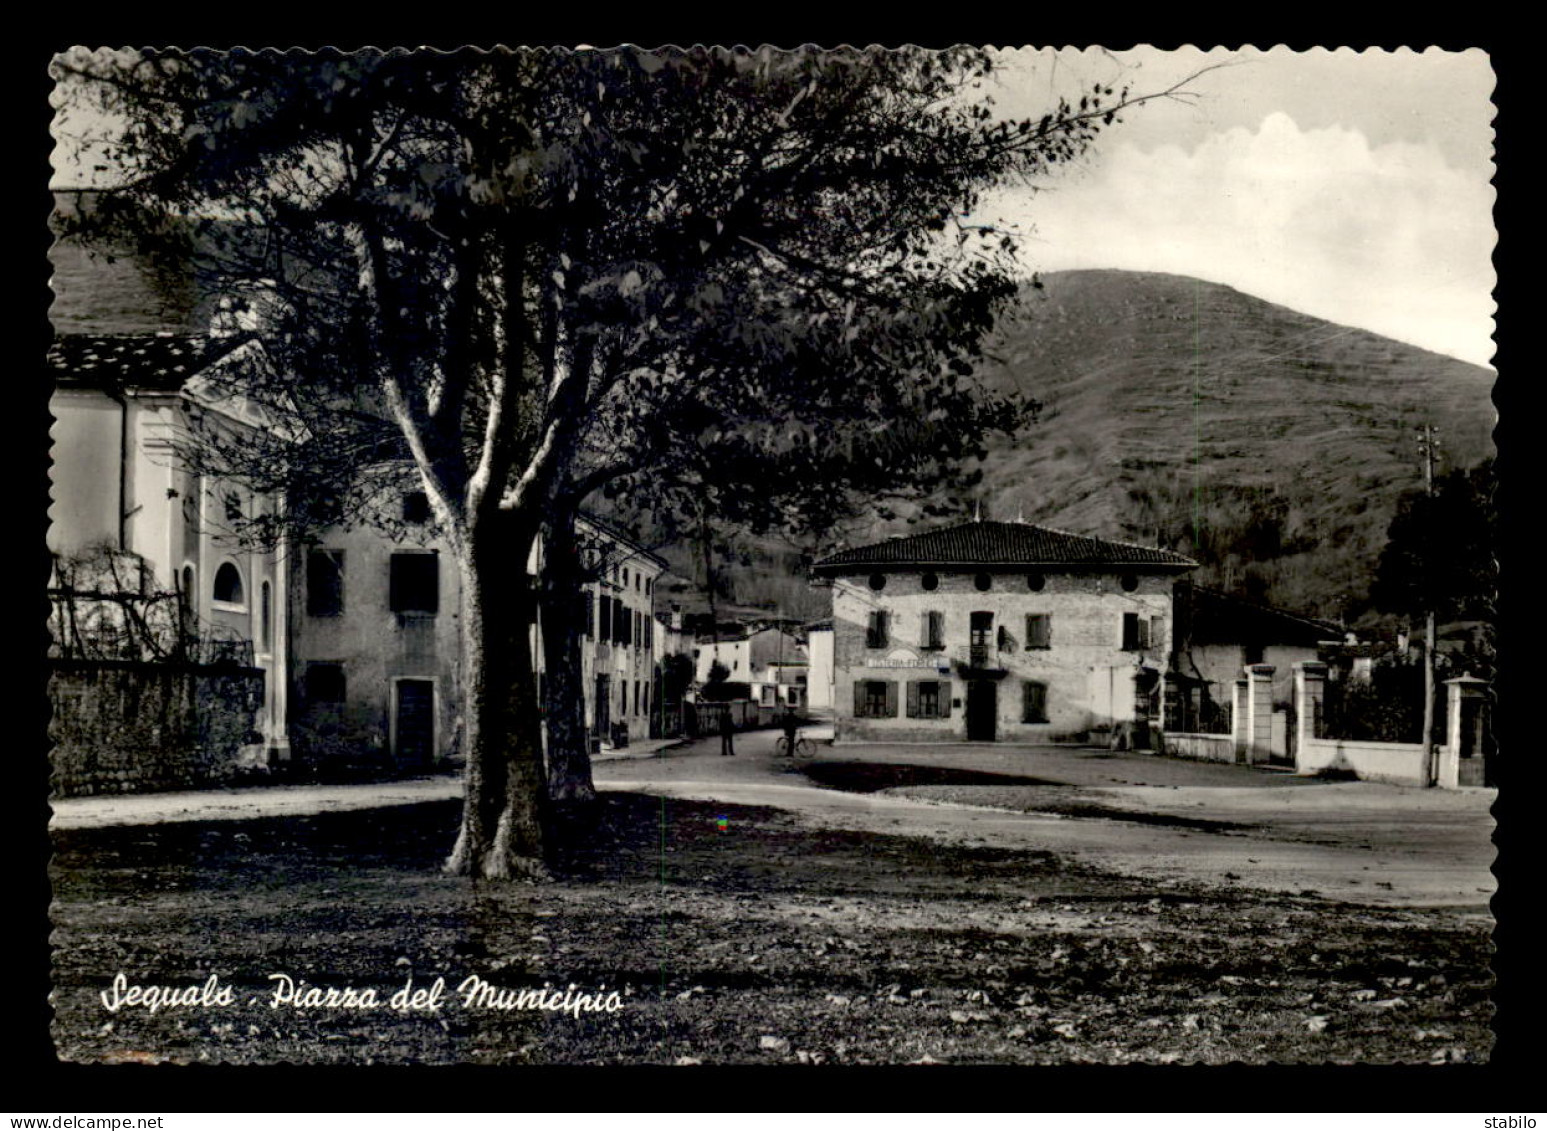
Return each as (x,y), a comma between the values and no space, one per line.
(1034,702)
(937,629)
(1157,632)
(913,699)
(881,627)
(925,633)
(1004,639)
(891,698)
(1144,631)
(945,698)
(1039,630)
(859,699)
(1130,631)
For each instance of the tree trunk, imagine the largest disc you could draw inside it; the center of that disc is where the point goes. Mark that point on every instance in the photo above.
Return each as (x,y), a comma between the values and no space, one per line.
(502,814)
(569,757)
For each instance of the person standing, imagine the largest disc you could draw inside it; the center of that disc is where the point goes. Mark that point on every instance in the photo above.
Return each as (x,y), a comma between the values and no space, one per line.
(727,733)
(790,725)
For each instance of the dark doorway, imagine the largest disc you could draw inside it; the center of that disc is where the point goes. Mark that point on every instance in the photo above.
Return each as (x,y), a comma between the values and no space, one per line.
(982,710)
(415,729)
(982,629)
(602,705)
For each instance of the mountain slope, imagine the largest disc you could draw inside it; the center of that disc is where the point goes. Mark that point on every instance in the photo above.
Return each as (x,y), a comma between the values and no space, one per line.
(1272,444)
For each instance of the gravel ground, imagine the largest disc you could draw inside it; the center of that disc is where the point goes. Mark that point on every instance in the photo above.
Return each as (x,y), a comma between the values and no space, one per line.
(733,934)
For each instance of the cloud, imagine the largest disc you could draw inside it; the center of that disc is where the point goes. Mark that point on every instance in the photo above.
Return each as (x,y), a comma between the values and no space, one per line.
(1390,238)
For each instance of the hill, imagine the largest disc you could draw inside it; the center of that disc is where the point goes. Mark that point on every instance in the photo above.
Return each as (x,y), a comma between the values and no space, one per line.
(1270,445)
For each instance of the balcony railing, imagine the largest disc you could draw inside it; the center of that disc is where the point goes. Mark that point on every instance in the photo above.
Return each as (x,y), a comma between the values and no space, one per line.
(977,657)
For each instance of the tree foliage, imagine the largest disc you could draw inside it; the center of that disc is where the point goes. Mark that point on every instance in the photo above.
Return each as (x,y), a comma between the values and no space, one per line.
(743,283)
(1441,551)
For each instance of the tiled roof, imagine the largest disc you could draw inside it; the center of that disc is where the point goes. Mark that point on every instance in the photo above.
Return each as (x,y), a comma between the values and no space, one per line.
(974,544)
(161,362)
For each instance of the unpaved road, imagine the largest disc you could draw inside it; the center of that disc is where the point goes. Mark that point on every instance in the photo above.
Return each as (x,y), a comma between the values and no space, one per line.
(1360,842)
(1163,819)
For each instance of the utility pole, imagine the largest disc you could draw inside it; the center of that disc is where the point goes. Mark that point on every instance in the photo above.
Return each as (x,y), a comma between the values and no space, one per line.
(1426,444)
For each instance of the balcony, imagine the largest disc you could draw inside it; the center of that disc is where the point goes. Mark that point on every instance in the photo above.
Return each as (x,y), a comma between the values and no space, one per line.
(977,661)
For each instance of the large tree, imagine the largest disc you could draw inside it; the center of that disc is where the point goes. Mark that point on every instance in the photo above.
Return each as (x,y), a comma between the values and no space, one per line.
(712,280)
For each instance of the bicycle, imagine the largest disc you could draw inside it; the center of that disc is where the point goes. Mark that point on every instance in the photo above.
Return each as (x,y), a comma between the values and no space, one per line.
(803,747)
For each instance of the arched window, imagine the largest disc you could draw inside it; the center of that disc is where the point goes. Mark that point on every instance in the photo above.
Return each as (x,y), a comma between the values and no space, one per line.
(189,605)
(228,585)
(265,617)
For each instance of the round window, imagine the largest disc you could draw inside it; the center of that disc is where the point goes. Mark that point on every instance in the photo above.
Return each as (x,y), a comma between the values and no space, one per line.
(878,581)
(1130,583)
(983,582)
(931,582)
(1035,582)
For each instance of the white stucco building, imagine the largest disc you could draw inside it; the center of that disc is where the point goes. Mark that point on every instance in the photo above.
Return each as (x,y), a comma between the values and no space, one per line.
(994,631)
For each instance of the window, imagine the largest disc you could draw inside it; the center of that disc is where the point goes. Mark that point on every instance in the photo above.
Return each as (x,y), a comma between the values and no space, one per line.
(931,582)
(929,699)
(1039,631)
(625,577)
(416,507)
(1036,582)
(590,614)
(983,582)
(875,632)
(325,583)
(1033,702)
(638,578)
(1135,633)
(981,625)
(265,617)
(934,632)
(186,596)
(1157,638)
(228,585)
(875,699)
(768,693)
(324,683)
(878,581)
(604,618)
(415,583)
(1129,582)
(1005,644)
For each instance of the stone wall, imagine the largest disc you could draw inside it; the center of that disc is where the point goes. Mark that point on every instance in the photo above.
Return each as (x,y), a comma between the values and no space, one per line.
(128,727)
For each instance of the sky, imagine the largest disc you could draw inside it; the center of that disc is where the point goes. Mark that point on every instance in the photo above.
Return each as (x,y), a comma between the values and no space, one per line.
(1351,186)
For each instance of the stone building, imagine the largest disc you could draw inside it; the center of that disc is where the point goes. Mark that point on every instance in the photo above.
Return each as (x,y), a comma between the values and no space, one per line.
(995,631)
(376,646)
(619,652)
(378,642)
